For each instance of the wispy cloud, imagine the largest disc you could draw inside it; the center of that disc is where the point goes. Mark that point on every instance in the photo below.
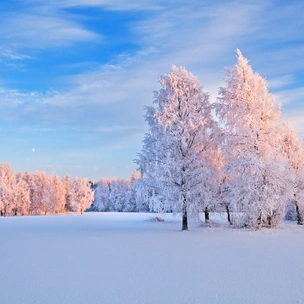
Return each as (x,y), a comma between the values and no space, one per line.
(41,31)
(12,55)
(38,27)
(117,129)
(281,81)
(13,98)
(120,5)
(289,96)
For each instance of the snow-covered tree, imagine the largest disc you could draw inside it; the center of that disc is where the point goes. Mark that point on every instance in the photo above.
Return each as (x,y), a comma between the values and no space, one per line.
(132,193)
(293,150)
(101,195)
(48,201)
(37,181)
(59,193)
(254,164)
(117,195)
(210,196)
(175,159)
(22,194)
(81,194)
(67,182)
(7,189)
(143,196)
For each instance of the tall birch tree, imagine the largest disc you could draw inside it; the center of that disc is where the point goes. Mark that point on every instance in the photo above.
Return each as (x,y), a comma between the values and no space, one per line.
(254,167)
(175,159)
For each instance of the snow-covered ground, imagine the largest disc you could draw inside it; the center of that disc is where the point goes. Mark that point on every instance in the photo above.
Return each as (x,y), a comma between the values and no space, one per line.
(127,258)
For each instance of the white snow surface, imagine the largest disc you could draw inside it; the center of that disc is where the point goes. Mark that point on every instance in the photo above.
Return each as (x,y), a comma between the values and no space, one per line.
(129,258)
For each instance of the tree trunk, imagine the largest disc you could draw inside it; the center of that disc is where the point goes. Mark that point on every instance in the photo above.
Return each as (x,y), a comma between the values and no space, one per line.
(185,221)
(185,215)
(269,221)
(206,215)
(259,220)
(299,215)
(228,214)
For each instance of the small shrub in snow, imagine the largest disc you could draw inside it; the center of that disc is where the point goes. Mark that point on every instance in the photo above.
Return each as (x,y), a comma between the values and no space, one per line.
(156,219)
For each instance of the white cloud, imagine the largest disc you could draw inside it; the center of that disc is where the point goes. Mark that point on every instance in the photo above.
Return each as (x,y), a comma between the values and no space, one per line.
(12,55)
(116,129)
(128,80)
(290,96)
(12,98)
(40,31)
(110,4)
(39,26)
(281,81)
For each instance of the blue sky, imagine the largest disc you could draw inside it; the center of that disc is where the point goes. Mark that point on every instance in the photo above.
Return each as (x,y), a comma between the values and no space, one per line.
(76,74)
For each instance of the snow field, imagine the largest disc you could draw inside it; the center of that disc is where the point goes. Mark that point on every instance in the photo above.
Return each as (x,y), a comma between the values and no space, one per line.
(128,258)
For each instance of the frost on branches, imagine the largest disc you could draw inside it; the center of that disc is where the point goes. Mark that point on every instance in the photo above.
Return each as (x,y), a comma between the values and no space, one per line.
(294,153)
(80,194)
(7,189)
(178,151)
(38,193)
(119,195)
(255,168)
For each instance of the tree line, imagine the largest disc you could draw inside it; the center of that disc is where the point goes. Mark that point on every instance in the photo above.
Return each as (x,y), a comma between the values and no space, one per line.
(120,195)
(38,193)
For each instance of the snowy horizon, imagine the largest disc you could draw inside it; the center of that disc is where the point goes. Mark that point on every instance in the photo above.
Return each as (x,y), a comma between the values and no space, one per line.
(75,75)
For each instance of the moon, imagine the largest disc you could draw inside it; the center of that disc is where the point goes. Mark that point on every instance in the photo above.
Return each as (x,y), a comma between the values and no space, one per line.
(33,149)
